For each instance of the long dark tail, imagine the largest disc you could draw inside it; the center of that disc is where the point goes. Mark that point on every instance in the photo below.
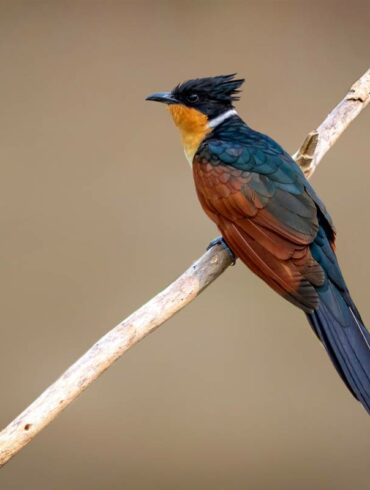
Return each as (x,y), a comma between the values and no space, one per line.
(339,326)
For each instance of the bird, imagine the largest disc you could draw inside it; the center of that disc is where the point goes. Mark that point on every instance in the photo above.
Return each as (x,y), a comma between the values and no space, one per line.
(269,217)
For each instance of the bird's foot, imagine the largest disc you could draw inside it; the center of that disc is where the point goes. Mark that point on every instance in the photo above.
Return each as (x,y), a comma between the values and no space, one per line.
(220,241)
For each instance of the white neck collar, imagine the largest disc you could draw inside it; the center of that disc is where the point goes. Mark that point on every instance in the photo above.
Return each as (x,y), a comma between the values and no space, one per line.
(212,123)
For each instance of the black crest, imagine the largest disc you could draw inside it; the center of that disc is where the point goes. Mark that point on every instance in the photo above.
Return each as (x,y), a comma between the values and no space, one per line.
(211,95)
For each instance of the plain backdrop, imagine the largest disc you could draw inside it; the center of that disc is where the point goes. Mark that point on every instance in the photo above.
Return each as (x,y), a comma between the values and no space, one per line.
(98,213)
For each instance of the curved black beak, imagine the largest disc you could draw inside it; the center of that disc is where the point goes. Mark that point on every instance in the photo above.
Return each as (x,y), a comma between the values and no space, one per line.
(164,97)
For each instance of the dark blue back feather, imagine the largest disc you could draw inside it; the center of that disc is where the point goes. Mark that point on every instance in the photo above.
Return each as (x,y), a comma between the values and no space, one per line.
(335,318)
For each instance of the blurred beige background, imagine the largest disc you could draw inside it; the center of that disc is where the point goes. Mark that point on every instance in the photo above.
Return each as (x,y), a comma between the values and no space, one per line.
(98,213)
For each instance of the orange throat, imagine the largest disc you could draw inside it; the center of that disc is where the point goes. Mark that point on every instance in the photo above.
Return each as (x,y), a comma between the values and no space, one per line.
(193,126)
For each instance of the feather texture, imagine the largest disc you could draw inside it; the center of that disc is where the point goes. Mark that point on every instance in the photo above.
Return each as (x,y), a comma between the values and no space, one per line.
(272,219)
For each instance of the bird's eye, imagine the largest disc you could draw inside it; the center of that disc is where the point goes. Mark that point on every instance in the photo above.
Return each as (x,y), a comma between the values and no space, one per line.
(193,98)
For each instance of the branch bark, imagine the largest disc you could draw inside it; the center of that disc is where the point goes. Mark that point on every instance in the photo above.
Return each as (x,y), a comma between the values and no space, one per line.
(168,302)
(319,141)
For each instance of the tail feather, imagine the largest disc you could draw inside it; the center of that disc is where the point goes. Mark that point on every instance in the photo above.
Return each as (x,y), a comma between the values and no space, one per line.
(340,328)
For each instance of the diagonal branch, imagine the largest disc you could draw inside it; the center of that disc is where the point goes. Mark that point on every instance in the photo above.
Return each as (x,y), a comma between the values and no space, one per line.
(168,302)
(319,141)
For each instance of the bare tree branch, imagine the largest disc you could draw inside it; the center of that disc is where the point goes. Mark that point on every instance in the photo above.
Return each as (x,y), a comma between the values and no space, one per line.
(319,141)
(163,306)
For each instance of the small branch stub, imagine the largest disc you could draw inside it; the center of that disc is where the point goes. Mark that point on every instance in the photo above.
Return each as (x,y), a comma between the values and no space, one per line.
(306,152)
(339,119)
(165,304)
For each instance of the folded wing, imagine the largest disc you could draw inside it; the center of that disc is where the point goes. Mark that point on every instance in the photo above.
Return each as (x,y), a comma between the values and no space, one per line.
(269,222)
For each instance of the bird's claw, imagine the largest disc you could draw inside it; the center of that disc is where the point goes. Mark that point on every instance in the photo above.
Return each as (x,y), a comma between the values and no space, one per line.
(220,241)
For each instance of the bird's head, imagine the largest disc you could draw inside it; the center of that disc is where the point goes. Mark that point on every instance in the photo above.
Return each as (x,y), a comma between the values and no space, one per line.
(201,98)
(199,105)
